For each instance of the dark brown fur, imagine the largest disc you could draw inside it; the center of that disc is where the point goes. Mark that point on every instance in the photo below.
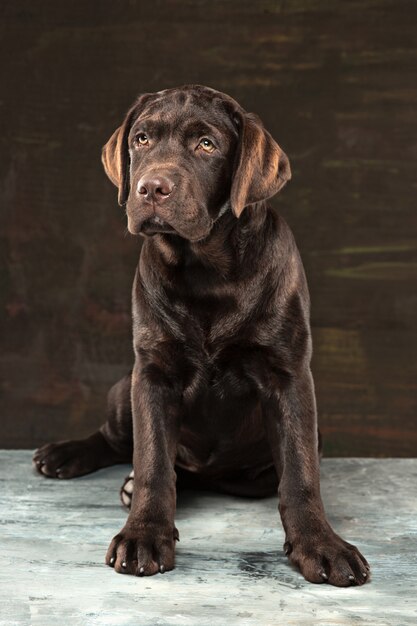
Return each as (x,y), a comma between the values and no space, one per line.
(221,393)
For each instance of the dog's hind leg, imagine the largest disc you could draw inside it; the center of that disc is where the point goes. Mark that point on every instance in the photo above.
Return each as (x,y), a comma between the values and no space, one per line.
(111,444)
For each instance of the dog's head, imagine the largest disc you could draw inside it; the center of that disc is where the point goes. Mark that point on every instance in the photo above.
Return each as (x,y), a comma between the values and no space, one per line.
(182,155)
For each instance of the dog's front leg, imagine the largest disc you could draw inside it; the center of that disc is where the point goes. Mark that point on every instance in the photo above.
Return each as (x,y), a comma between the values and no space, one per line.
(146,544)
(311,544)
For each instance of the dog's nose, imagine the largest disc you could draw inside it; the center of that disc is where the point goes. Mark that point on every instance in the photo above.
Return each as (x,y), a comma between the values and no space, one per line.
(156,188)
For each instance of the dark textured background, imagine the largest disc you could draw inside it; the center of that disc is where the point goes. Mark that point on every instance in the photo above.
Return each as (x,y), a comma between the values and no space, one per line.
(335,83)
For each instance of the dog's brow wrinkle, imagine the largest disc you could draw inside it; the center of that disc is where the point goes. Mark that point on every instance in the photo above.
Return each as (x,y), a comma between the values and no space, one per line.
(182,98)
(198,126)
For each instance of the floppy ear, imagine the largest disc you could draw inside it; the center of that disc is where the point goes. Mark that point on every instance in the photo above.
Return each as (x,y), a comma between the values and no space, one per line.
(115,154)
(261,167)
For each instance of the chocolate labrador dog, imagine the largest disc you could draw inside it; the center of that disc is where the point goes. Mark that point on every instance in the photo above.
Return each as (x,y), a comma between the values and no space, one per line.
(221,394)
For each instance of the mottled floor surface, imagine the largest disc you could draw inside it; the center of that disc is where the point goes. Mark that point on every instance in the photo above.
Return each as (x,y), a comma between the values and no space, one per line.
(230,565)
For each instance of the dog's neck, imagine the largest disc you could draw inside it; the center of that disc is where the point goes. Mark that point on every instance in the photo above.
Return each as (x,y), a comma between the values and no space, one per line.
(223,250)
(226,207)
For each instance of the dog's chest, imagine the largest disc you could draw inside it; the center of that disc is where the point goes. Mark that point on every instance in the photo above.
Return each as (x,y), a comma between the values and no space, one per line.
(211,313)
(197,304)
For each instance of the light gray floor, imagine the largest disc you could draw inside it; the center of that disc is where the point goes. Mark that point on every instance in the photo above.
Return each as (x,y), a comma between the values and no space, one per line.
(230,566)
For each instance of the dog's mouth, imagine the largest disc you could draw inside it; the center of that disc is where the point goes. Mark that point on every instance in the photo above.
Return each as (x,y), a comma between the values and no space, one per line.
(156,224)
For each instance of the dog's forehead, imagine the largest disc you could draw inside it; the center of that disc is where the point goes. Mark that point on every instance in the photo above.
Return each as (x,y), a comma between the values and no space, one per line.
(181,105)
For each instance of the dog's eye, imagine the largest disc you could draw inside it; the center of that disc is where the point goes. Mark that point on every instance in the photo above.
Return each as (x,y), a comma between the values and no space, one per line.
(141,139)
(206,144)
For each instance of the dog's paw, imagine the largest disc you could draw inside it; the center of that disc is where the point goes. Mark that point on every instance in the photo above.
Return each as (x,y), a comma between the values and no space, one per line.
(64,459)
(143,552)
(67,459)
(328,559)
(126,490)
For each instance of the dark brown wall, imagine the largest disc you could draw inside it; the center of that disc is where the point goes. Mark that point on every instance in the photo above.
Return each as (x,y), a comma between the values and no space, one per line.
(335,82)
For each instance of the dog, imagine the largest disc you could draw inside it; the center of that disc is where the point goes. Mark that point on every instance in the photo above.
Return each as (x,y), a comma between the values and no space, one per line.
(221,395)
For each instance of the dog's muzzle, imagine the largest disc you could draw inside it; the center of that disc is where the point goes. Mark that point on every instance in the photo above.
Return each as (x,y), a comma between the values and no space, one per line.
(156,224)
